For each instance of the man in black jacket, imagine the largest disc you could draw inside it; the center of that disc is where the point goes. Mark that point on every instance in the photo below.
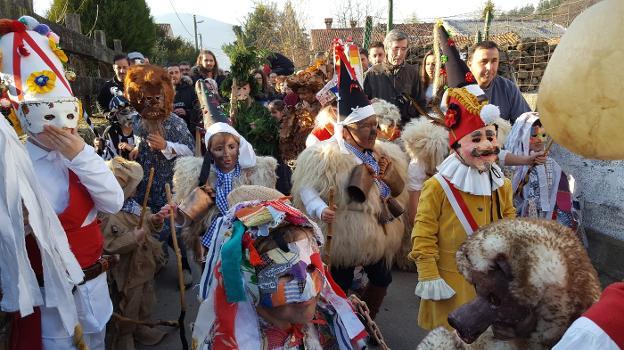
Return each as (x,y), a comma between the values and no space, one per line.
(185,101)
(120,66)
(394,80)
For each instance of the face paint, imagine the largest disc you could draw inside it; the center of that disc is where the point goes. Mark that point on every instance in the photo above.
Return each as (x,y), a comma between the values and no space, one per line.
(290,277)
(62,113)
(479,149)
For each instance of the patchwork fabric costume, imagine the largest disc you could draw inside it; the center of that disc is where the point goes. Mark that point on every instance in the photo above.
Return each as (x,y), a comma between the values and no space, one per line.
(460,198)
(237,279)
(77,188)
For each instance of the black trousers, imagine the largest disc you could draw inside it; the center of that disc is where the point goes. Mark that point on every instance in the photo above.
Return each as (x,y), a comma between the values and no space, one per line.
(379,275)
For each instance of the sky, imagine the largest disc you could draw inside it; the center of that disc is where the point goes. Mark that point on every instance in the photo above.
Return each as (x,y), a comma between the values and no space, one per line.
(314,11)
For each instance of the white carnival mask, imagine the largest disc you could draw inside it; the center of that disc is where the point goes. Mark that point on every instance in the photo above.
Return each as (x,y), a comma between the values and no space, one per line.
(32,68)
(62,113)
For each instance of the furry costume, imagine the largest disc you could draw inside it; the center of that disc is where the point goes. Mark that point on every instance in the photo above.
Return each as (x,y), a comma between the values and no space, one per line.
(360,239)
(186,178)
(552,275)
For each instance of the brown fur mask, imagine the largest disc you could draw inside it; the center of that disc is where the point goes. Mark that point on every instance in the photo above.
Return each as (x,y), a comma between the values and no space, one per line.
(150,91)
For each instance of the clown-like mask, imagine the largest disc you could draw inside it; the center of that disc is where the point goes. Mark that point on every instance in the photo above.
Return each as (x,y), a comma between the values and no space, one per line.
(61,112)
(480,148)
(290,277)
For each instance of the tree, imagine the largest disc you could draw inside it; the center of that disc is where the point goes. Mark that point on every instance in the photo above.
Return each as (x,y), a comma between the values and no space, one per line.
(127,20)
(169,50)
(354,11)
(275,30)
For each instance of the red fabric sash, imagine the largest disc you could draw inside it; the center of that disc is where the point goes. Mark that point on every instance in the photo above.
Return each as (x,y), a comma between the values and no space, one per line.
(463,206)
(85,242)
(322,134)
(608,312)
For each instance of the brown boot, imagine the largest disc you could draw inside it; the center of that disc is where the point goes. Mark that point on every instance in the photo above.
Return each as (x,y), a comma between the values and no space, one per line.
(373,297)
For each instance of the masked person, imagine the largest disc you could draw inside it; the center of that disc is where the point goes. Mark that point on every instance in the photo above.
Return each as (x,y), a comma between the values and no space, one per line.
(118,138)
(469,191)
(74,179)
(266,287)
(232,163)
(162,138)
(540,191)
(141,256)
(368,180)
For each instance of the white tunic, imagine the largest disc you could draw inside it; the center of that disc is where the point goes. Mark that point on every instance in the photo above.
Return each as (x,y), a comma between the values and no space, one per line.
(93,302)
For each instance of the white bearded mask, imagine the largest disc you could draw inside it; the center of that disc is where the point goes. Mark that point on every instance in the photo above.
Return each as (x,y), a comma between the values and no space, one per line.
(37,86)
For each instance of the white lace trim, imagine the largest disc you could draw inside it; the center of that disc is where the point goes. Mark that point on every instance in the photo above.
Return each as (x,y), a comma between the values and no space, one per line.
(468,179)
(434,290)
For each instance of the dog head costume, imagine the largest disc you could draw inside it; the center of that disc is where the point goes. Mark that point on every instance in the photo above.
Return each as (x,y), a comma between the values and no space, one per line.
(150,91)
(533,279)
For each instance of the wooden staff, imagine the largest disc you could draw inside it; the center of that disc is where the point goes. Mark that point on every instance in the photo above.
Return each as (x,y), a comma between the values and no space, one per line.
(526,177)
(330,228)
(150,180)
(178,254)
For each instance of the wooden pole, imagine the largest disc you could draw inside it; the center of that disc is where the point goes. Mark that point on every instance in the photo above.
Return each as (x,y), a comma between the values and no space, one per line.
(198,142)
(150,180)
(178,254)
(390,25)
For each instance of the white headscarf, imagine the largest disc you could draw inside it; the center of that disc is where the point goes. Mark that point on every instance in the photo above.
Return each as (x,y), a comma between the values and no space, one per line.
(246,154)
(357,115)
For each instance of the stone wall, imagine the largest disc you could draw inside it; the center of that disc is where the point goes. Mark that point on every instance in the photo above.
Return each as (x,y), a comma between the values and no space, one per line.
(599,187)
(89,58)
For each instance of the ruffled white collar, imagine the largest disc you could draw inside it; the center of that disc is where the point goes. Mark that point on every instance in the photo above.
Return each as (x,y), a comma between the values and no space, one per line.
(468,179)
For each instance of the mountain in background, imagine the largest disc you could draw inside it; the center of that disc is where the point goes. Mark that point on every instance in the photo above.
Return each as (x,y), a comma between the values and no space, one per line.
(214,33)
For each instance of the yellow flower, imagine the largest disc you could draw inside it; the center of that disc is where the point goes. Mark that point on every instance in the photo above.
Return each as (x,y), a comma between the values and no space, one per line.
(41,82)
(57,51)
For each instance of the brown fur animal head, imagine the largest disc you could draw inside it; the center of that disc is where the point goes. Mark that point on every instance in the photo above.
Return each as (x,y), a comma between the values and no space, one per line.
(150,91)
(547,272)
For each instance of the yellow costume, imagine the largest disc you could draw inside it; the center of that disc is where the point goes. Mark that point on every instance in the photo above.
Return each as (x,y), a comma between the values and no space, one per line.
(437,236)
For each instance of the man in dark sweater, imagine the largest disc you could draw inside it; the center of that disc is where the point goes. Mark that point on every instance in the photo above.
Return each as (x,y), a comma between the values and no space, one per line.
(120,66)
(483,59)
(394,80)
(185,101)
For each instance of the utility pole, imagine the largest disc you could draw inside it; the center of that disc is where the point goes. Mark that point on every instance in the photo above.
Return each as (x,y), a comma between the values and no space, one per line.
(201,42)
(389,28)
(195,28)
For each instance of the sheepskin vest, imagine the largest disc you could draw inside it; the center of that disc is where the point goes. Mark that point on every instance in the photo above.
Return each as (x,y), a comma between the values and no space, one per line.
(186,178)
(359,238)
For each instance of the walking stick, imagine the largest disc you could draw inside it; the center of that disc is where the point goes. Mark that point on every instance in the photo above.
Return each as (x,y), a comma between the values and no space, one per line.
(178,254)
(330,229)
(150,180)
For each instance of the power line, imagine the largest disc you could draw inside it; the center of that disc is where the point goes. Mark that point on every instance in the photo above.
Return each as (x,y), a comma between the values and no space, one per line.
(179,19)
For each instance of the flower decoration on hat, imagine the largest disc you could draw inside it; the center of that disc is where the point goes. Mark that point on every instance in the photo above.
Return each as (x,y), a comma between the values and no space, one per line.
(464,103)
(41,82)
(57,51)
